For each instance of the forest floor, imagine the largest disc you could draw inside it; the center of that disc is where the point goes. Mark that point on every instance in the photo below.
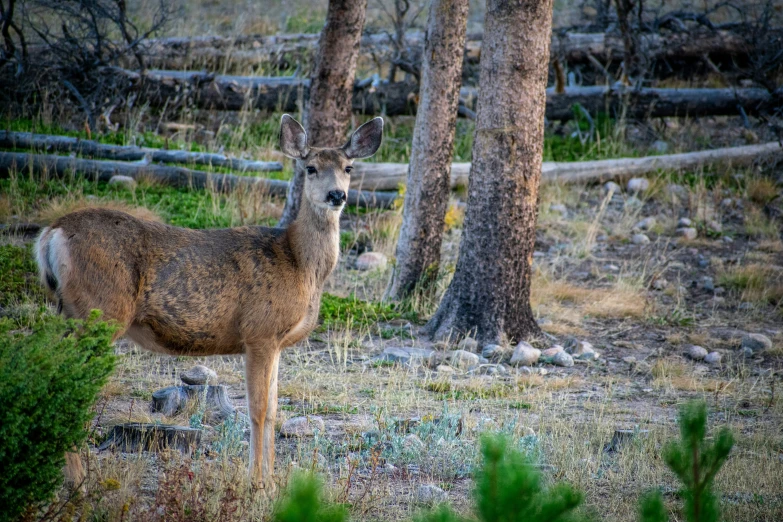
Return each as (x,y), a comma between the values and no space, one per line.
(393,424)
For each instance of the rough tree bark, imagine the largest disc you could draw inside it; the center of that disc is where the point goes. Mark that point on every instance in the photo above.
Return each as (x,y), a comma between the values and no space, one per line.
(328,110)
(489,296)
(427,193)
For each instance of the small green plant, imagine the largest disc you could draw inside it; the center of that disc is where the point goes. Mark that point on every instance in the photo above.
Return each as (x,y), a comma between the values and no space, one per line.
(337,311)
(303,502)
(49,380)
(696,462)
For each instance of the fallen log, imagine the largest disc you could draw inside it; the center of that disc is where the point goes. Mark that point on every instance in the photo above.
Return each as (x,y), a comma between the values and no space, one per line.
(61,166)
(232,93)
(134,437)
(93,149)
(388,176)
(219,53)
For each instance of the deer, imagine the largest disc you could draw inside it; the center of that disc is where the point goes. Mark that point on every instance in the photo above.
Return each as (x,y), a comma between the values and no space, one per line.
(250,290)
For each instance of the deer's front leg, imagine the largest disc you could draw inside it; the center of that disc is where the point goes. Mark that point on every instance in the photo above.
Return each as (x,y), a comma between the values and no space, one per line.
(261,362)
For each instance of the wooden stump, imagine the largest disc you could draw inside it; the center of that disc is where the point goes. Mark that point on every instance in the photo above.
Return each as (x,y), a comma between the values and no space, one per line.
(174,399)
(136,436)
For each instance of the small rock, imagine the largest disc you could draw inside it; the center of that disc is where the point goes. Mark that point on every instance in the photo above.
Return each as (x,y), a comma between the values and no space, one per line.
(371,261)
(491,369)
(637,185)
(524,370)
(687,232)
(660,146)
(676,190)
(562,359)
(713,358)
(684,223)
(430,494)
(611,186)
(629,360)
(302,426)
(756,342)
(199,375)
(640,239)
(463,359)
(551,352)
(468,344)
(708,283)
(444,368)
(406,356)
(525,355)
(125,182)
(646,224)
(559,208)
(696,353)
(726,203)
(714,226)
(727,239)
(612,268)
(660,283)
(493,351)
(583,351)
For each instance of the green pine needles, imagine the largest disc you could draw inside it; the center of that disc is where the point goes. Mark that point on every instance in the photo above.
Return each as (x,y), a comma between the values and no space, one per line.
(696,462)
(49,380)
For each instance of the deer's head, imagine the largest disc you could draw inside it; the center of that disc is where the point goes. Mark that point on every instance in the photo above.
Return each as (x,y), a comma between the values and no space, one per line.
(328,171)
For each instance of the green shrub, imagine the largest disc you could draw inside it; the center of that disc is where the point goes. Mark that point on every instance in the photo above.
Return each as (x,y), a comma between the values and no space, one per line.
(49,380)
(696,463)
(303,503)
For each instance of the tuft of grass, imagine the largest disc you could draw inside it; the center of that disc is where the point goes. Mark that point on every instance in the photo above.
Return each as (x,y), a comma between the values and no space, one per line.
(18,277)
(761,190)
(339,311)
(754,281)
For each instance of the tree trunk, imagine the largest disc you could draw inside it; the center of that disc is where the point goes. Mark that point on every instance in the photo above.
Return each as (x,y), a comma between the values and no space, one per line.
(328,110)
(427,192)
(489,296)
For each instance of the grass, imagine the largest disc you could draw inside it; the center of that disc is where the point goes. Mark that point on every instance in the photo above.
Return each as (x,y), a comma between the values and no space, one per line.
(18,277)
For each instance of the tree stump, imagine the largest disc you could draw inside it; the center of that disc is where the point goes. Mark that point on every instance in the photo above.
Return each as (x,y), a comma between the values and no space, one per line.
(133,437)
(172,400)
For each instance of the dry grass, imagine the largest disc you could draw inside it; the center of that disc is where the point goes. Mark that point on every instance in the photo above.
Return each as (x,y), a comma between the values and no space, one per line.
(624,299)
(56,208)
(754,282)
(761,190)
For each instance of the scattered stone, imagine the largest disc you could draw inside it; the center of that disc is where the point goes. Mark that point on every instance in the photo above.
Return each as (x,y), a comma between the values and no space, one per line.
(713,358)
(524,370)
(714,226)
(756,342)
(302,426)
(559,208)
(562,359)
(696,353)
(125,182)
(468,344)
(676,190)
(463,359)
(660,283)
(687,232)
(611,186)
(583,351)
(646,224)
(491,369)
(727,239)
(199,374)
(637,185)
(445,368)
(660,146)
(629,360)
(371,261)
(602,238)
(406,356)
(612,268)
(727,203)
(493,351)
(430,494)
(550,352)
(708,283)
(684,223)
(525,355)
(640,239)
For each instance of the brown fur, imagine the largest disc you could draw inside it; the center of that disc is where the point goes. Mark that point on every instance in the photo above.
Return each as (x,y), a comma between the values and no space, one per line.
(251,290)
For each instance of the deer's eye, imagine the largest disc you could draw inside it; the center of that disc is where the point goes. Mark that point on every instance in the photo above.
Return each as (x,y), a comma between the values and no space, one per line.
(348,169)
(311,170)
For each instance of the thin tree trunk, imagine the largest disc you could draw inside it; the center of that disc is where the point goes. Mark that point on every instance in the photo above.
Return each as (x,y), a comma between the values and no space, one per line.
(489,296)
(329,106)
(427,192)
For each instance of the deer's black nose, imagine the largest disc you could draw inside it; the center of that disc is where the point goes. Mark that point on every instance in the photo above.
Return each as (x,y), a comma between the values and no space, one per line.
(335,197)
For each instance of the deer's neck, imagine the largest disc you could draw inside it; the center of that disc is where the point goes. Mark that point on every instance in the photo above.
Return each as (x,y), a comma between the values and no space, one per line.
(315,240)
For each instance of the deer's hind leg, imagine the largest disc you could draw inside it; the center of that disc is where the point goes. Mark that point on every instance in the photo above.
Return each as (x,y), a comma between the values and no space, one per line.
(261,365)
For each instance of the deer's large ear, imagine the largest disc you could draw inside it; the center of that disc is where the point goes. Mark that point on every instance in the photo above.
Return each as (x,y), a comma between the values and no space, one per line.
(293,138)
(365,140)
